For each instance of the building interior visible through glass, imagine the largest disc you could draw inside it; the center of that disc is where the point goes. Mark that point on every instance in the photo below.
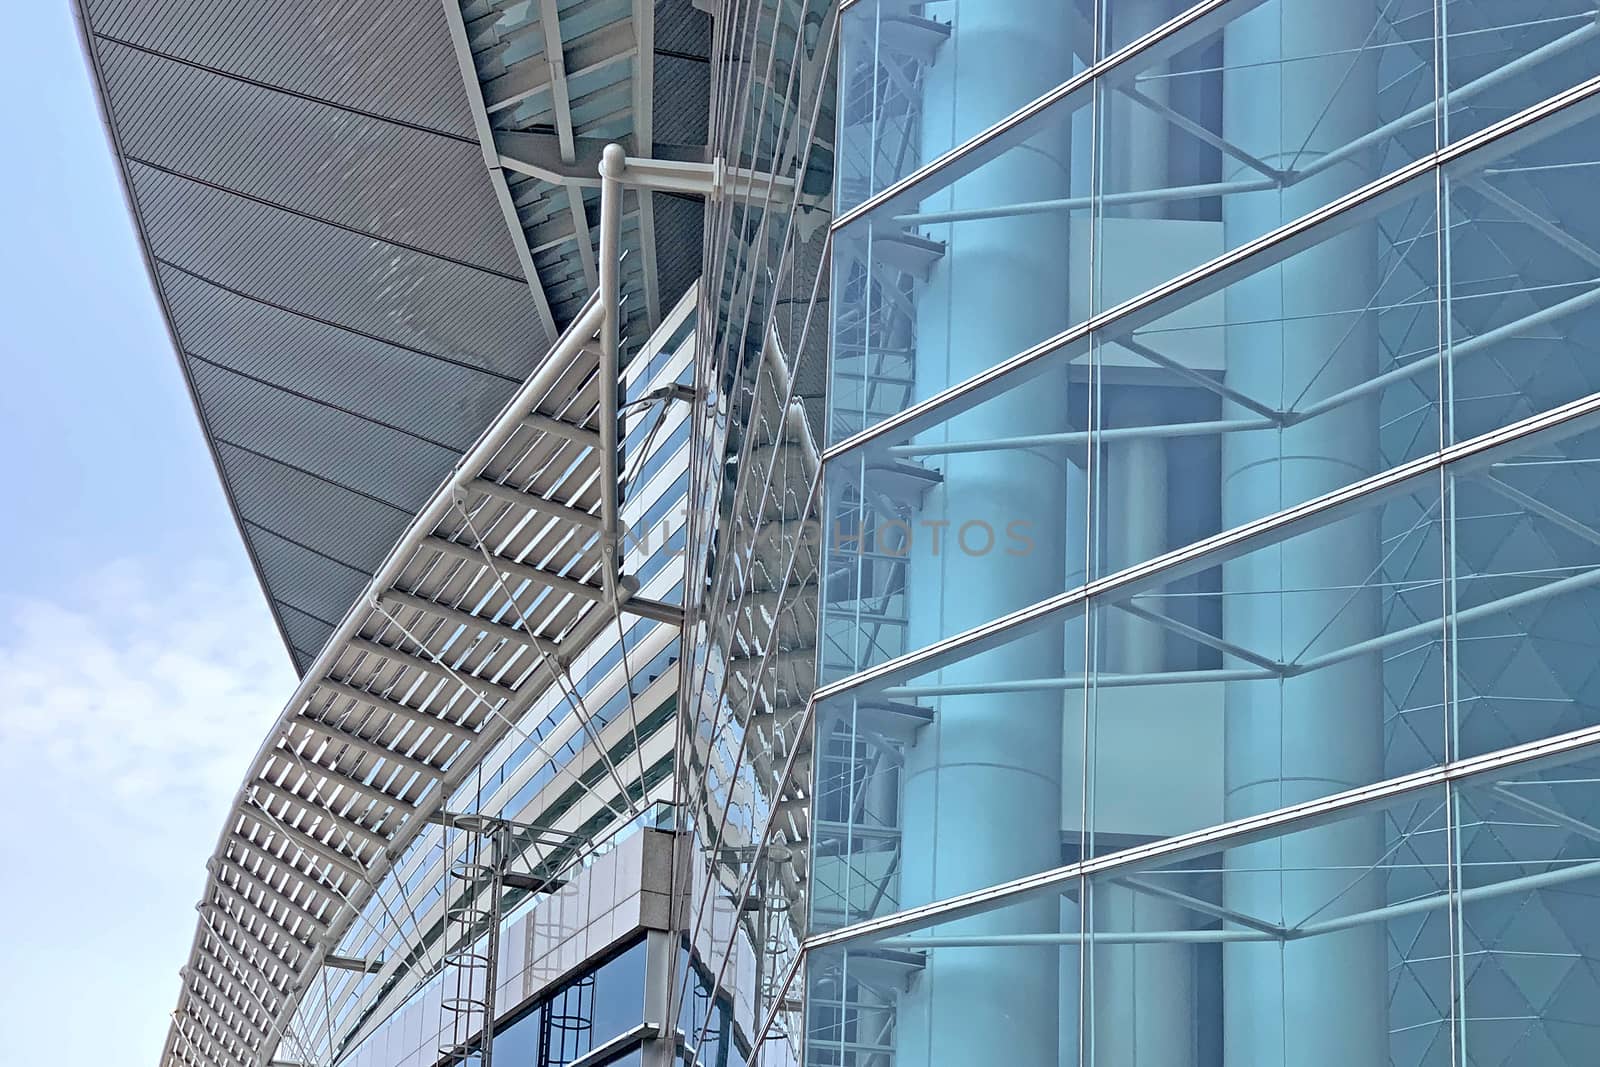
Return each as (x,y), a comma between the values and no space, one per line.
(1112,557)
(1212,506)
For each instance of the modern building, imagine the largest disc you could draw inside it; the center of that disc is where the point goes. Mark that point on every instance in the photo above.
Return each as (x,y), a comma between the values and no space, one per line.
(895,534)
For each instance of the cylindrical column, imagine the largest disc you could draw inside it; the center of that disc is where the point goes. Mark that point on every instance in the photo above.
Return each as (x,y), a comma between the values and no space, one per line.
(1317,1002)
(1141,997)
(1134,495)
(983,782)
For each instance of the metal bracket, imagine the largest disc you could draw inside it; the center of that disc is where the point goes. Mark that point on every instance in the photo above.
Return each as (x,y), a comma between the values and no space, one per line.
(716,181)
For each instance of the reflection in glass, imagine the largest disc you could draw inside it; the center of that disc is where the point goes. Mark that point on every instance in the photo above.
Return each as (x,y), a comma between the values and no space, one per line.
(914,82)
(1501,58)
(1320,945)
(1269,674)
(1261,113)
(1524,292)
(1525,563)
(1528,848)
(950,779)
(1437,617)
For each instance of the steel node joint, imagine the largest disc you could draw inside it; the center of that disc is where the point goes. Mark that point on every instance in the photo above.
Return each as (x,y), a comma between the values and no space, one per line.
(715,180)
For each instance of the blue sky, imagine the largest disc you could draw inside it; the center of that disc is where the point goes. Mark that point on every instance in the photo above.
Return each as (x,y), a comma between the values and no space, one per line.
(139,668)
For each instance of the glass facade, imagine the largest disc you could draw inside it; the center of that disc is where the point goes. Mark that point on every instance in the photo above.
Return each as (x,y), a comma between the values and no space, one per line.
(751,631)
(1206,663)
(618,710)
(588,1011)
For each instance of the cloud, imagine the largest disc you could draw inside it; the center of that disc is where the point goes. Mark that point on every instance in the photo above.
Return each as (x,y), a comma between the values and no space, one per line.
(151,687)
(131,702)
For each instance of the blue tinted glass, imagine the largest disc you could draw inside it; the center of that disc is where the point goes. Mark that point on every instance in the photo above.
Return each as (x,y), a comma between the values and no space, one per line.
(1524,542)
(1528,863)
(517,1045)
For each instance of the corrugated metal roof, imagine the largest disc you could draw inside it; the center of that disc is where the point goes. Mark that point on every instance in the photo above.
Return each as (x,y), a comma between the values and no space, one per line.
(347,299)
(344,277)
(390,59)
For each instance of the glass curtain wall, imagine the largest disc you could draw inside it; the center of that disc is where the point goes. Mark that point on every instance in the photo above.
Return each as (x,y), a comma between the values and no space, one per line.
(1211,536)
(743,760)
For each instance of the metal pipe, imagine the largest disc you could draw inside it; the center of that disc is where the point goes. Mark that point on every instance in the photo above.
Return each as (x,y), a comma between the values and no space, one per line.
(613,163)
(1529,882)
(1458,619)
(1470,347)
(1130,937)
(493,631)
(1082,203)
(1082,437)
(1425,112)
(1526,883)
(1103,681)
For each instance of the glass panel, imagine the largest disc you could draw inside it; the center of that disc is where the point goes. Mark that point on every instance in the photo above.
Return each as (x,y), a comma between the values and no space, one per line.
(595,1007)
(517,1045)
(1124,21)
(1525,569)
(948,780)
(977,263)
(704,1020)
(1270,673)
(1524,287)
(1501,58)
(1528,845)
(915,81)
(1252,117)
(1322,946)
(1285,383)
(1323,942)
(1222,403)
(929,540)
(1000,987)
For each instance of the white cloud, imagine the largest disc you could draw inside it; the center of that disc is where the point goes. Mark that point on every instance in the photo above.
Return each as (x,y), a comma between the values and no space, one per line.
(150,688)
(131,702)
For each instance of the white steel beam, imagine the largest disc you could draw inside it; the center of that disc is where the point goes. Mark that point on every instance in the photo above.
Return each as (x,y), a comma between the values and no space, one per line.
(555,582)
(248,882)
(212,992)
(578,435)
(594,51)
(321,813)
(556,62)
(644,76)
(394,759)
(197,1005)
(469,622)
(493,691)
(537,504)
(251,912)
(497,179)
(274,827)
(405,713)
(211,1048)
(227,921)
(237,963)
(312,882)
(301,765)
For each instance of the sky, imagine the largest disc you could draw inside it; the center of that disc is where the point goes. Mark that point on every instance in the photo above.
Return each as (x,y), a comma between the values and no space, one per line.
(139,668)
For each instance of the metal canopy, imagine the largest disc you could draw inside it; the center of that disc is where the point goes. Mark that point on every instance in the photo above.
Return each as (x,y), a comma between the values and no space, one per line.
(495,584)
(550,83)
(352,293)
